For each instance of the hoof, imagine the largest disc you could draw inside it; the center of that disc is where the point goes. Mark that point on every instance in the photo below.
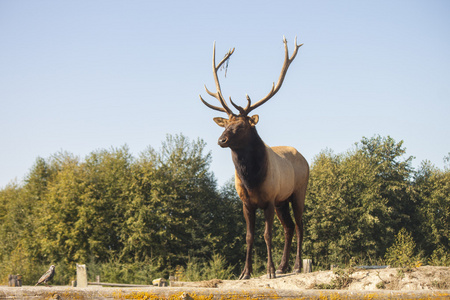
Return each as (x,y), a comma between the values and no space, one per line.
(271,275)
(283,270)
(297,271)
(244,277)
(245,274)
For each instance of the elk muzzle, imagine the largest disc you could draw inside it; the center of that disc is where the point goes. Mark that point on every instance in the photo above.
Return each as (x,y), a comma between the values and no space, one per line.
(223,141)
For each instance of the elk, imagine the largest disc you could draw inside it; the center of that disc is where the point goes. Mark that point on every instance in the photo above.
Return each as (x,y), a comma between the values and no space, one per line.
(268,178)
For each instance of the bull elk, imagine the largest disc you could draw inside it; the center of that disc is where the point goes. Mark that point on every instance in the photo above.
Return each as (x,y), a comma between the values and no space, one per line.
(269,178)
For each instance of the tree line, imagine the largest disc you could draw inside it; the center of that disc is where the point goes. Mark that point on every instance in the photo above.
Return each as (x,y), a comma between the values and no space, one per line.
(136,218)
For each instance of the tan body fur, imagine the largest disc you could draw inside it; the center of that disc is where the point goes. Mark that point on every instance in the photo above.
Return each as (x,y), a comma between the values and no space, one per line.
(288,174)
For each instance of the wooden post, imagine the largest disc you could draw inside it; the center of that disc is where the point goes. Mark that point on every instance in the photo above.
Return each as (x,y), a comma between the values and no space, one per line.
(15,280)
(81,276)
(307,266)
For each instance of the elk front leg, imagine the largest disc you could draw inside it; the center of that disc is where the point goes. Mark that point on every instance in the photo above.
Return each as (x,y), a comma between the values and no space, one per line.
(269,214)
(249,215)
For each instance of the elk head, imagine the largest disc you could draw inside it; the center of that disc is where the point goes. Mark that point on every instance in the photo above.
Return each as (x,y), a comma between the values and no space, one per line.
(238,127)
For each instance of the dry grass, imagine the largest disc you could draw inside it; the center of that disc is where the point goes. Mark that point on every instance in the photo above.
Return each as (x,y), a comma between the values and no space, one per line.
(213,283)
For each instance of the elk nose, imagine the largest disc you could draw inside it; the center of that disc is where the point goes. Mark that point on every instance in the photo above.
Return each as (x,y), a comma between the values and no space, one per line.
(222,141)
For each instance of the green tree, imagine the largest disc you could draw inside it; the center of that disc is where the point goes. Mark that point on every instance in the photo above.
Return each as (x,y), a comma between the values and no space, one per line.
(58,213)
(106,196)
(172,214)
(232,227)
(19,219)
(393,174)
(432,192)
(83,213)
(12,253)
(356,201)
(322,210)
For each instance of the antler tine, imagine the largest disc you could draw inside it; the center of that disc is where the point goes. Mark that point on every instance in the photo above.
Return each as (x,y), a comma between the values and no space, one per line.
(218,95)
(276,87)
(212,106)
(239,108)
(242,111)
(249,102)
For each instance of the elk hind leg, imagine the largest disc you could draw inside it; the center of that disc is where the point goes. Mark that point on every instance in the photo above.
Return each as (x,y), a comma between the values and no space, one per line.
(297,207)
(288,225)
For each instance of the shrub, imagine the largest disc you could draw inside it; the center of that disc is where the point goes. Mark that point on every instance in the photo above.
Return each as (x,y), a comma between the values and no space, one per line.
(440,257)
(197,270)
(401,253)
(343,278)
(114,271)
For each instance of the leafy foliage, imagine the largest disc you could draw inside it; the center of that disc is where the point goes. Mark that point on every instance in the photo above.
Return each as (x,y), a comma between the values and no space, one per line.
(432,191)
(113,271)
(357,201)
(131,219)
(440,257)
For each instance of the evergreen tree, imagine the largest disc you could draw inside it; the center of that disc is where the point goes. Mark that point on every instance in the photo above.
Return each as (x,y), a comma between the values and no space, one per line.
(357,201)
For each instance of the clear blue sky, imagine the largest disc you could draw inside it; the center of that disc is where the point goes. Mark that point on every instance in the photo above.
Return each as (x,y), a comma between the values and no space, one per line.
(79,76)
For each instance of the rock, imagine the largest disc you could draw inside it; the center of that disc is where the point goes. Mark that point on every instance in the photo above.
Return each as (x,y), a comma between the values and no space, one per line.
(159,282)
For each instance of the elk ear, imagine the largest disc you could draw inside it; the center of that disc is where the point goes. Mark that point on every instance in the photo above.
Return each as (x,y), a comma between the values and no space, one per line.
(254,120)
(221,122)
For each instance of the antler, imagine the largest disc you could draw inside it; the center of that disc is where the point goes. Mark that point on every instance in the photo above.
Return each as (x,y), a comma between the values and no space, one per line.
(275,88)
(218,95)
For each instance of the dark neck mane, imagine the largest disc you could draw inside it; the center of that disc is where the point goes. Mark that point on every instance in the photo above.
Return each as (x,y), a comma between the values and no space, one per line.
(250,161)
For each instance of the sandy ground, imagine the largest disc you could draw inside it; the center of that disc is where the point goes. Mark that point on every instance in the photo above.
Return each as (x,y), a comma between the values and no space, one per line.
(422,278)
